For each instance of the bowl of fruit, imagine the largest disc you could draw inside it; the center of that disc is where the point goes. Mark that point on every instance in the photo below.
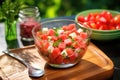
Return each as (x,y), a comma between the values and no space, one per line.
(105,24)
(61,42)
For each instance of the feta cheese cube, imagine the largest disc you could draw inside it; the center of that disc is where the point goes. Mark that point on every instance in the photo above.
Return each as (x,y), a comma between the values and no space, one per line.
(73,35)
(60,31)
(44,30)
(79,30)
(64,53)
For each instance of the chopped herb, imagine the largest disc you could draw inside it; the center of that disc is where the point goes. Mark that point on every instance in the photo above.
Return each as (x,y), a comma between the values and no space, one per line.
(70,47)
(56,31)
(72,40)
(56,43)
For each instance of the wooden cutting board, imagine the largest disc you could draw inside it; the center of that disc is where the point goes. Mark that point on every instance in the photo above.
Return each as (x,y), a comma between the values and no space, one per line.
(95,65)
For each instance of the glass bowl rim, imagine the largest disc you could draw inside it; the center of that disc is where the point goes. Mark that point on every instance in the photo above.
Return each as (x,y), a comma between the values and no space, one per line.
(80,25)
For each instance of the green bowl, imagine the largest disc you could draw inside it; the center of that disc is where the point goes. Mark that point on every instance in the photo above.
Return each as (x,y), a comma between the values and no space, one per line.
(101,35)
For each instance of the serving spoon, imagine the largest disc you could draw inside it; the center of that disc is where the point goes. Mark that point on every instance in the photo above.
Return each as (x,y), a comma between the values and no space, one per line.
(33,72)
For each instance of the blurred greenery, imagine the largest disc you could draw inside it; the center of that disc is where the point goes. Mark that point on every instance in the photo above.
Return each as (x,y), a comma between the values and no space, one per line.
(9,10)
(55,8)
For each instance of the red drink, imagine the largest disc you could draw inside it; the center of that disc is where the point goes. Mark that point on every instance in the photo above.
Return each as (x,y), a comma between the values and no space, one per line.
(26,28)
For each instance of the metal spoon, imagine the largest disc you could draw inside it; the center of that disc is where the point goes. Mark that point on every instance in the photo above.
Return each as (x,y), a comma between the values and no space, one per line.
(33,72)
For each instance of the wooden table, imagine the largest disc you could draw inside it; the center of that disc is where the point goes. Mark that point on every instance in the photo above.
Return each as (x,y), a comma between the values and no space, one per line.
(95,65)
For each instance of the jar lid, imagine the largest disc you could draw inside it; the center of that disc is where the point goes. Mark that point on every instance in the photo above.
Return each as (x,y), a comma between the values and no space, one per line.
(29,12)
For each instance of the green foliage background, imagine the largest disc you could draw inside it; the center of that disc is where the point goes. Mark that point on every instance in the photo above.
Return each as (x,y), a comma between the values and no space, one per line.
(55,8)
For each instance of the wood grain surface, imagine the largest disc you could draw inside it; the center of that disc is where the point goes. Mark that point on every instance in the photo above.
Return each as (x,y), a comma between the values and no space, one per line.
(95,65)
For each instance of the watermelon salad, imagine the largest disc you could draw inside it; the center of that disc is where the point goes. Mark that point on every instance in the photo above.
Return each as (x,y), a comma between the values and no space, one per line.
(62,45)
(101,21)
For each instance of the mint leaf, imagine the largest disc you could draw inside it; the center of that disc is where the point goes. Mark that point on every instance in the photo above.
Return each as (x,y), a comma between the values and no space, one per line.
(56,43)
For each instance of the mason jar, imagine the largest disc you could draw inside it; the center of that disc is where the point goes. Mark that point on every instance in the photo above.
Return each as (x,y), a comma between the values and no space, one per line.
(29,17)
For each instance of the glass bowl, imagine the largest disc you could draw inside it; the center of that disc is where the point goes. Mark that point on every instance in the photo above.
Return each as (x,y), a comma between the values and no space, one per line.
(61,42)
